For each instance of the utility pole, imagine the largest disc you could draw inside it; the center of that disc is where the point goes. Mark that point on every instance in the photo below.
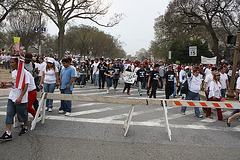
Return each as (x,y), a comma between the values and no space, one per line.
(231,93)
(39,34)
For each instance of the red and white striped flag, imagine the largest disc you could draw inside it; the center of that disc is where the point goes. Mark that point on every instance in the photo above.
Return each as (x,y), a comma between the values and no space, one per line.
(20,80)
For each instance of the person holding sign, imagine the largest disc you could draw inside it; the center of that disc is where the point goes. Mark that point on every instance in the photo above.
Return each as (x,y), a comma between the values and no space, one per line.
(128,79)
(110,72)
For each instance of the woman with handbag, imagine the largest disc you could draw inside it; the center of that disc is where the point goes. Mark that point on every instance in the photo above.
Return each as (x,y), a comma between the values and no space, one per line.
(215,95)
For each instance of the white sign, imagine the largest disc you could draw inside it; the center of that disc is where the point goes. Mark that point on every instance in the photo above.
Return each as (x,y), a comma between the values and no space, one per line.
(192,51)
(170,55)
(129,77)
(205,60)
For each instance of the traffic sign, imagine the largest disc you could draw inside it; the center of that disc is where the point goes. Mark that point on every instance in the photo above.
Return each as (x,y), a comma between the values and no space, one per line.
(192,51)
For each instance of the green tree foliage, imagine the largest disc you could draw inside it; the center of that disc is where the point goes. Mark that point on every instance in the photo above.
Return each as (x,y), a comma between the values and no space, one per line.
(83,39)
(180,51)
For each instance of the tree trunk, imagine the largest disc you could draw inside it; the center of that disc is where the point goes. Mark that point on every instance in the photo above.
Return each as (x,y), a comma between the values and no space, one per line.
(61,49)
(215,44)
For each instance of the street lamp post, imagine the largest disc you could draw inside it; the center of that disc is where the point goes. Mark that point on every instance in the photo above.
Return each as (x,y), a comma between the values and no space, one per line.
(39,30)
(231,93)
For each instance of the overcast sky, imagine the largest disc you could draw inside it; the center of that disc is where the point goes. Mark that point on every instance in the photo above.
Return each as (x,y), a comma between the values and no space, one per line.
(136,28)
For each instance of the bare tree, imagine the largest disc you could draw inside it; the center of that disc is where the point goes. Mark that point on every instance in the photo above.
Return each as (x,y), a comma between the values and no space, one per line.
(7,6)
(62,11)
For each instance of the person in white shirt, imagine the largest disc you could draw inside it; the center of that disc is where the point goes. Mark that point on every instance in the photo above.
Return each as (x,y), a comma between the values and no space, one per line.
(224,81)
(208,80)
(49,80)
(95,73)
(194,86)
(207,71)
(17,103)
(215,95)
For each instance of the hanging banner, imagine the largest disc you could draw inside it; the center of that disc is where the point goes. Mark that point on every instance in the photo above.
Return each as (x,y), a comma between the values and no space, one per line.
(16,44)
(206,60)
(129,77)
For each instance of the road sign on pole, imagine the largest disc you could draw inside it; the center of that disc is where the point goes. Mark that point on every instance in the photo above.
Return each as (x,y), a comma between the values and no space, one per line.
(192,51)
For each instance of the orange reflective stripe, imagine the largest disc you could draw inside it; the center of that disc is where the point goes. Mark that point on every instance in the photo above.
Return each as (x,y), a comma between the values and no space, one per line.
(191,104)
(216,105)
(203,104)
(177,103)
(228,105)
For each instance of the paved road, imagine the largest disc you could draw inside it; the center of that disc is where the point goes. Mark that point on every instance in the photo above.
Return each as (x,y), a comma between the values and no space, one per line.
(95,131)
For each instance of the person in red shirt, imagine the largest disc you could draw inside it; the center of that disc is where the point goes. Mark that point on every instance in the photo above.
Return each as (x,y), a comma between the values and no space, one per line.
(146,61)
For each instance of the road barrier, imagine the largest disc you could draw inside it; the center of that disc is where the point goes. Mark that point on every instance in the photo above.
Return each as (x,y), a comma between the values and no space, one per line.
(40,115)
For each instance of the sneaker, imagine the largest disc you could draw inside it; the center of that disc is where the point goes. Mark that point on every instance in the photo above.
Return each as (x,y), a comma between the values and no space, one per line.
(200,116)
(23,131)
(67,114)
(50,110)
(210,117)
(6,137)
(140,94)
(107,91)
(61,111)
(46,109)
(183,113)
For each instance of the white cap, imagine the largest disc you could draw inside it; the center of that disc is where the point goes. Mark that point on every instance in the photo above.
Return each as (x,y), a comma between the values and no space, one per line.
(50,60)
(187,67)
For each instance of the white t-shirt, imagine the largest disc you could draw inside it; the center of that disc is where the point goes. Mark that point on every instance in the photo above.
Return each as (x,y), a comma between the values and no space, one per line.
(31,85)
(223,79)
(41,67)
(207,71)
(229,73)
(215,89)
(15,92)
(95,65)
(208,80)
(50,75)
(195,83)
(238,83)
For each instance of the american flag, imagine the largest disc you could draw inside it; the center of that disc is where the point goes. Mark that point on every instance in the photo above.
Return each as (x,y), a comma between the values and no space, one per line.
(20,80)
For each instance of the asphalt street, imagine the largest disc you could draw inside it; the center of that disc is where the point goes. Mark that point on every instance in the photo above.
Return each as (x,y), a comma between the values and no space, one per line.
(95,131)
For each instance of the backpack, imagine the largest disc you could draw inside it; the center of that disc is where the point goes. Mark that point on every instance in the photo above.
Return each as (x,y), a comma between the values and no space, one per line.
(184,89)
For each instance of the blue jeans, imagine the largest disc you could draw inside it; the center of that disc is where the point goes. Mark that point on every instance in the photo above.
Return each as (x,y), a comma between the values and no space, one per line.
(180,89)
(195,97)
(82,79)
(109,82)
(20,109)
(174,90)
(49,88)
(140,86)
(95,79)
(66,105)
(161,81)
(223,93)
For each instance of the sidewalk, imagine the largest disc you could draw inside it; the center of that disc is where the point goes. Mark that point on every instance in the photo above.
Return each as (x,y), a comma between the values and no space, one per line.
(5,75)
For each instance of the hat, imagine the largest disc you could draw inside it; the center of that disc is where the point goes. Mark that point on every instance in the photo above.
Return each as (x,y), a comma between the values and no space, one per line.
(187,67)
(217,74)
(50,60)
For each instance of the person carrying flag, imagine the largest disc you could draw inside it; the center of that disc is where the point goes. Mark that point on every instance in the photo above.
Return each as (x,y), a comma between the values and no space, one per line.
(18,99)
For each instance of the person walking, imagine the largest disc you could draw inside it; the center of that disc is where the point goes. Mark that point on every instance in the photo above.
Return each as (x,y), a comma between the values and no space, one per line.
(127,85)
(83,74)
(154,81)
(169,82)
(141,76)
(117,75)
(215,95)
(109,72)
(95,73)
(194,87)
(17,102)
(224,81)
(102,66)
(49,80)
(67,80)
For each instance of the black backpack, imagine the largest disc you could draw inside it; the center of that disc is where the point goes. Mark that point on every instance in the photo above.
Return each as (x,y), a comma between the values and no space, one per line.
(184,89)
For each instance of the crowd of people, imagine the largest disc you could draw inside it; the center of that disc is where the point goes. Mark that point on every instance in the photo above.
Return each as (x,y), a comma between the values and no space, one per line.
(49,73)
